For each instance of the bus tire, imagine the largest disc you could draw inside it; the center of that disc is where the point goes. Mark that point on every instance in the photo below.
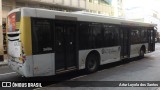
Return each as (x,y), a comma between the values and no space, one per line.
(92,63)
(141,53)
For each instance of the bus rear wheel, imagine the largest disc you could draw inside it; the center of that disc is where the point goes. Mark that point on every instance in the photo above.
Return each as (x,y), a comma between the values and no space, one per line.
(141,55)
(91,64)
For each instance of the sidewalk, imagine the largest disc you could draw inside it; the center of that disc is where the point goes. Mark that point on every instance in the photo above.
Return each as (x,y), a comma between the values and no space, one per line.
(4,63)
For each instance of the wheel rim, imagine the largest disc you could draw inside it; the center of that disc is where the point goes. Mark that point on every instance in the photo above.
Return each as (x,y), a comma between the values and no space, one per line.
(92,64)
(142,53)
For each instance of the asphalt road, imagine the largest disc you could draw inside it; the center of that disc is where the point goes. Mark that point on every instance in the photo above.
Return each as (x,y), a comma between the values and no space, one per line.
(147,69)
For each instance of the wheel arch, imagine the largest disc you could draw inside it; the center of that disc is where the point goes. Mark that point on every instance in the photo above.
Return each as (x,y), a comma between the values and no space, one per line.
(95,53)
(143,47)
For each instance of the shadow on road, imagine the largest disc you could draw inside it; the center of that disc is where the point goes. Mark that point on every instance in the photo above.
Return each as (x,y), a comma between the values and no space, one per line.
(48,80)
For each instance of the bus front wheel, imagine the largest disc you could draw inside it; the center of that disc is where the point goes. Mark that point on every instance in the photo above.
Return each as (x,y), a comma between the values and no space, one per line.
(91,63)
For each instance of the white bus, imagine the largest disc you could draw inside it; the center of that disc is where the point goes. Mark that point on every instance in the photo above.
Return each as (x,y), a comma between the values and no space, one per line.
(46,42)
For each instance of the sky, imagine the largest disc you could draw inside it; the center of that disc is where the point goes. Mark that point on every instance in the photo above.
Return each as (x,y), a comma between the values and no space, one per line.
(149,4)
(139,6)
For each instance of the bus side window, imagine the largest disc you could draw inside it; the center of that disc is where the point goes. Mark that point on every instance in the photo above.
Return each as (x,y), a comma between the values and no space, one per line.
(85,38)
(97,35)
(41,36)
(135,36)
(111,35)
(144,35)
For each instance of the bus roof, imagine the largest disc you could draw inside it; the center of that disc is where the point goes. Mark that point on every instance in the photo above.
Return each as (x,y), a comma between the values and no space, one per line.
(78,16)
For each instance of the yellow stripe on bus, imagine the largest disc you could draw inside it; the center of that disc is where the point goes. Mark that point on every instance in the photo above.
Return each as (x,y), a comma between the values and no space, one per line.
(17,25)
(25,30)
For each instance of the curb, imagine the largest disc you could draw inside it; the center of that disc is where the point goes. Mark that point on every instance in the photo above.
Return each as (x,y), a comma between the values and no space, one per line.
(3,64)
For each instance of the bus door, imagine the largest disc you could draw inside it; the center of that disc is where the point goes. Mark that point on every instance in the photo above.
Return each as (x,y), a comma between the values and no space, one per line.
(151,39)
(65,46)
(125,42)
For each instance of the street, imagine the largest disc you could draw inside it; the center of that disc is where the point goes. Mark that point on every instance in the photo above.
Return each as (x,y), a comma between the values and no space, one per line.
(147,69)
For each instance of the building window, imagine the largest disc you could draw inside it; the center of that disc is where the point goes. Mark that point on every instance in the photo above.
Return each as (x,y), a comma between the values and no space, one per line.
(96,1)
(154,15)
(4,26)
(103,2)
(111,35)
(90,1)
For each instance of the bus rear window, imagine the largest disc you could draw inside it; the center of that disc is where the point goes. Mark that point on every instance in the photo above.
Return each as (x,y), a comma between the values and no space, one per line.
(13,22)
(13,35)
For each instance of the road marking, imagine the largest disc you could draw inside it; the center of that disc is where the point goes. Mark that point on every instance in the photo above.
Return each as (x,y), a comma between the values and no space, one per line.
(78,77)
(7,73)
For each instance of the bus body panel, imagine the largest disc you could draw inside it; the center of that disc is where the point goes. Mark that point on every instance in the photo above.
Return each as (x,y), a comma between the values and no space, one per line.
(107,55)
(14,48)
(36,65)
(25,35)
(110,54)
(44,64)
(135,49)
(25,69)
(28,12)
(43,14)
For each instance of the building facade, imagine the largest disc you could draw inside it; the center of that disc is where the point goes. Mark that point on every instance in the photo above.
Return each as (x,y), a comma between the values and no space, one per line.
(117,7)
(144,12)
(99,7)
(93,6)
(1,35)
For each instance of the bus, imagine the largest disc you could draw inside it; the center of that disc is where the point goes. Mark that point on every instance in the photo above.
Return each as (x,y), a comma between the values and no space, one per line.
(44,42)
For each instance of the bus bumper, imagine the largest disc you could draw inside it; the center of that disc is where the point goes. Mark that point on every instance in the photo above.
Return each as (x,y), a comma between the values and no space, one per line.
(19,68)
(15,66)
